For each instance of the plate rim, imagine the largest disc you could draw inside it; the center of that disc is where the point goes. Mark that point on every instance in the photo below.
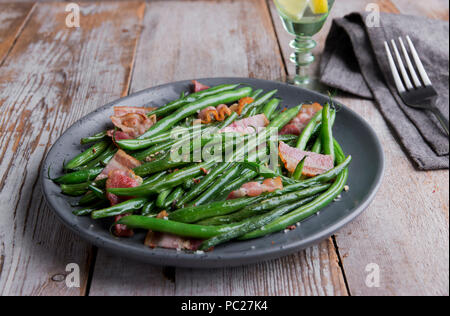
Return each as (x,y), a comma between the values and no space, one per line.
(209,260)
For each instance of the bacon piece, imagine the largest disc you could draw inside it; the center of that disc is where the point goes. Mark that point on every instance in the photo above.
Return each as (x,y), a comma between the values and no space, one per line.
(123,110)
(165,240)
(118,135)
(118,178)
(134,124)
(120,161)
(256,188)
(198,86)
(247,125)
(121,179)
(298,123)
(314,163)
(218,113)
(121,230)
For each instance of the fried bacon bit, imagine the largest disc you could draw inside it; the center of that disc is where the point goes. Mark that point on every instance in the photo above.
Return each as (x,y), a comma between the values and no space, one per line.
(163,214)
(256,188)
(292,227)
(122,161)
(314,163)
(247,125)
(121,230)
(298,123)
(199,86)
(121,179)
(204,171)
(165,240)
(118,135)
(123,110)
(218,113)
(196,181)
(134,124)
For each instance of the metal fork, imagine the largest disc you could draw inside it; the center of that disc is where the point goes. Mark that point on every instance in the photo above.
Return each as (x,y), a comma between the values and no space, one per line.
(421,95)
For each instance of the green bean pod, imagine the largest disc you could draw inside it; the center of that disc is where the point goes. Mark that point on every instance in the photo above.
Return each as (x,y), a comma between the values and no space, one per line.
(88,155)
(192,108)
(265,205)
(299,169)
(162,196)
(121,208)
(257,102)
(270,107)
(80,176)
(175,105)
(326,132)
(173,197)
(306,133)
(285,117)
(89,209)
(94,138)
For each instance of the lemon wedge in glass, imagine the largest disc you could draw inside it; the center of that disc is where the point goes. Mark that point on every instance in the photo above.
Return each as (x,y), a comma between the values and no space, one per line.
(319,6)
(293,9)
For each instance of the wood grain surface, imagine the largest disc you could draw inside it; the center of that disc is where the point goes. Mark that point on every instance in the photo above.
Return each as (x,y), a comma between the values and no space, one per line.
(52,75)
(49,80)
(405,230)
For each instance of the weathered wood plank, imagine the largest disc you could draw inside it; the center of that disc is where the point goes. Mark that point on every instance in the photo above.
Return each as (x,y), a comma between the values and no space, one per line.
(13,17)
(231,45)
(49,80)
(405,230)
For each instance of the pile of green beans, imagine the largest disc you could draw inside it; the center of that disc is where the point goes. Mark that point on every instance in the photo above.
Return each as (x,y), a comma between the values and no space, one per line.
(194,193)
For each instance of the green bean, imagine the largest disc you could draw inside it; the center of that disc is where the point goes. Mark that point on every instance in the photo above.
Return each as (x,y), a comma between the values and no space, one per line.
(162,196)
(218,185)
(174,196)
(89,209)
(94,138)
(164,163)
(256,93)
(249,225)
(317,147)
(285,117)
(266,205)
(98,192)
(80,188)
(257,102)
(175,228)
(121,208)
(79,176)
(199,188)
(103,158)
(86,156)
(309,209)
(270,107)
(326,132)
(306,133)
(183,112)
(193,214)
(299,169)
(149,208)
(169,181)
(88,198)
(174,105)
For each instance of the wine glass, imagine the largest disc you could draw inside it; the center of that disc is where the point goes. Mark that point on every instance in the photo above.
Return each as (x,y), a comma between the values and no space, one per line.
(303,19)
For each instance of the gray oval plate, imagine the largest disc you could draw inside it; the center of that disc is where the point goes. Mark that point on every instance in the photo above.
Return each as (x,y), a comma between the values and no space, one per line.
(354,134)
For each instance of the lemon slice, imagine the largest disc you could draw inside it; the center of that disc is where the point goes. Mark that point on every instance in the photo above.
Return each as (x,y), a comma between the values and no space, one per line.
(294,9)
(319,6)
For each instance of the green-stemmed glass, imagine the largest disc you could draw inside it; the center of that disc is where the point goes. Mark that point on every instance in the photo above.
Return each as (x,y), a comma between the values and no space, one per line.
(303,19)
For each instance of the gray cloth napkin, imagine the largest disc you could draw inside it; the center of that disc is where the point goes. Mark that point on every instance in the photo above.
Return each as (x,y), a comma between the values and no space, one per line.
(355,61)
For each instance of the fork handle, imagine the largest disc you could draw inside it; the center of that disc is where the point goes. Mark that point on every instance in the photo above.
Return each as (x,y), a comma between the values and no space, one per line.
(441,118)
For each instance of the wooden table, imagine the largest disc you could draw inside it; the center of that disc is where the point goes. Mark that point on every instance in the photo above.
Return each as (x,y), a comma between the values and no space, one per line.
(51,75)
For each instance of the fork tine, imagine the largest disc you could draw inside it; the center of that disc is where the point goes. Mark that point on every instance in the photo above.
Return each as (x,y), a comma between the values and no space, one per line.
(398,81)
(412,71)
(405,76)
(423,73)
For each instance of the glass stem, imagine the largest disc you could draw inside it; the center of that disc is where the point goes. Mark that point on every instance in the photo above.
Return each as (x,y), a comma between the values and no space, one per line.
(302,58)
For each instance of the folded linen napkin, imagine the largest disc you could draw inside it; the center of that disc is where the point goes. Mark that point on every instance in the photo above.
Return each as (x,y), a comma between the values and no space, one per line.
(354,60)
